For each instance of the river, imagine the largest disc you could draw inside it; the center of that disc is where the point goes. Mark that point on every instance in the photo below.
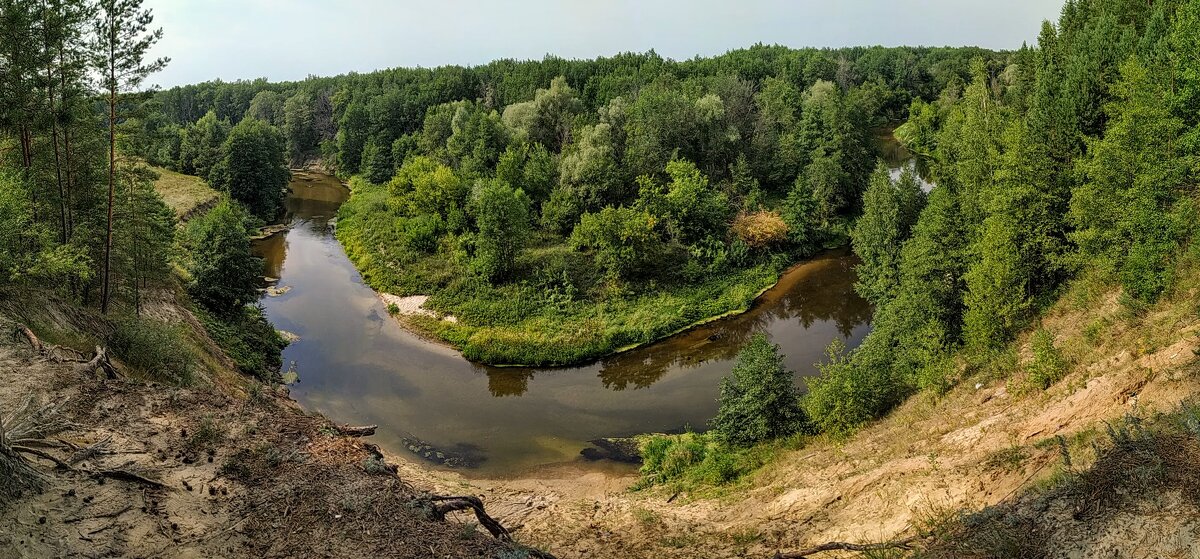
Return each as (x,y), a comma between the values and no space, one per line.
(357,365)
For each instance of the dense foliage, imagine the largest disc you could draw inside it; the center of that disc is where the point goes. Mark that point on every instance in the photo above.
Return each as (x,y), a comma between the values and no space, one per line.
(1077,156)
(79,212)
(560,210)
(759,400)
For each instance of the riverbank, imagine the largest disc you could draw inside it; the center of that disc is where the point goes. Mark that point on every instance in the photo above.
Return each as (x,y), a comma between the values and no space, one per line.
(994,444)
(356,363)
(411,313)
(560,310)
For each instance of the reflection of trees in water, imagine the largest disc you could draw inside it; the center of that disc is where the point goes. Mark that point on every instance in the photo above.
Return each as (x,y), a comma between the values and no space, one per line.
(507,382)
(828,296)
(825,295)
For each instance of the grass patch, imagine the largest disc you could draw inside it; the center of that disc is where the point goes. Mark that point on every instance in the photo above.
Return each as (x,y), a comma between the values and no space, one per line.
(183,193)
(155,350)
(699,462)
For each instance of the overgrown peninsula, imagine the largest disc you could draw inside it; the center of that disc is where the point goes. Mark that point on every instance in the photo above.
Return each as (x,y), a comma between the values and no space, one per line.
(544,233)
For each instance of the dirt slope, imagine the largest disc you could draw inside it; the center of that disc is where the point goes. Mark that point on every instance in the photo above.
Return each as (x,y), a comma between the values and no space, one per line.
(977,446)
(219,473)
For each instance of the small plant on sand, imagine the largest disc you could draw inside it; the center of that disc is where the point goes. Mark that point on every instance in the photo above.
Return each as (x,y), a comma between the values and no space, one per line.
(207,435)
(1048,365)
(375,466)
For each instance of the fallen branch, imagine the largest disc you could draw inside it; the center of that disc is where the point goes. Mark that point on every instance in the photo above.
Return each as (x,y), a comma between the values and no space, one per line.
(43,454)
(126,475)
(353,431)
(50,351)
(905,543)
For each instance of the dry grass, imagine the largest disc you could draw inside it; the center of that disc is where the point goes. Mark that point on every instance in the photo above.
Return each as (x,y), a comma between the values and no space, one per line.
(183,193)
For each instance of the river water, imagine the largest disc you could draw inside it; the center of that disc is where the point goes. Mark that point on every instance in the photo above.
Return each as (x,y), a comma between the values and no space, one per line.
(357,365)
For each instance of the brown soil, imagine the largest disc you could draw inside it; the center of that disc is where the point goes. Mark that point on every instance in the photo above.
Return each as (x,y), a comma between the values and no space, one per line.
(244,471)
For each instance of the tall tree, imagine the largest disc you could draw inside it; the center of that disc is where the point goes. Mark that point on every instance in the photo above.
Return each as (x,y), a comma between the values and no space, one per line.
(122,40)
(759,400)
(252,168)
(876,239)
(502,219)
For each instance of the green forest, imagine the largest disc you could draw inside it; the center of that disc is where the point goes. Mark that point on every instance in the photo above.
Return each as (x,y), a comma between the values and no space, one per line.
(556,212)
(561,210)
(80,217)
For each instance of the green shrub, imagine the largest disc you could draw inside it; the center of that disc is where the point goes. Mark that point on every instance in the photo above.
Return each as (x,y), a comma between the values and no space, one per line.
(851,389)
(1048,365)
(694,460)
(759,401)
(248,338)
(157,350)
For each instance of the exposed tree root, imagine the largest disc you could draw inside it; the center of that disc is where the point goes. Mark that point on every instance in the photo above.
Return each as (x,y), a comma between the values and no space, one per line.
(905,543)
(100,362)
(19,432)
(443,505)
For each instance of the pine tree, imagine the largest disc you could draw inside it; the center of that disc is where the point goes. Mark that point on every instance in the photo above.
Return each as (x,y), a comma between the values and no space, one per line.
(876,239)
(122,41)
(759,400)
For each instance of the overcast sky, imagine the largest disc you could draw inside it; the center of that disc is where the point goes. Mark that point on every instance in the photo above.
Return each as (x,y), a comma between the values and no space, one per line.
(290,39)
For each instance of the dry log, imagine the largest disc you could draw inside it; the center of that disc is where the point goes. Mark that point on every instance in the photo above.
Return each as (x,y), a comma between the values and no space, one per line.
(905,543)
(23,330)
(356,431)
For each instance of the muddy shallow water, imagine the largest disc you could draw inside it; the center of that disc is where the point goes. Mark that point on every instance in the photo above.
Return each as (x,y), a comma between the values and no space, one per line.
(357,365)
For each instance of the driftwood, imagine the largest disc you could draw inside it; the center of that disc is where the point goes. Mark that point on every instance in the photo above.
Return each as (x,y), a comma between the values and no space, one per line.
(353,431)
(905,543)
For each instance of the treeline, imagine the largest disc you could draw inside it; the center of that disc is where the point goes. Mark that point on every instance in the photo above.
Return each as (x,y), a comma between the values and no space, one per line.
(1080,157)
(1078,160)
(336,118)
(79,213)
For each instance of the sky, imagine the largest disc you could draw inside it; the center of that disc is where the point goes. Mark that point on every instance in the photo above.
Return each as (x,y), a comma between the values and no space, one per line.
(291,39)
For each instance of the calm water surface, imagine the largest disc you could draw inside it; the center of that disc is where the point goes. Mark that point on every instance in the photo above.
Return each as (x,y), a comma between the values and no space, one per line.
(357,365)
